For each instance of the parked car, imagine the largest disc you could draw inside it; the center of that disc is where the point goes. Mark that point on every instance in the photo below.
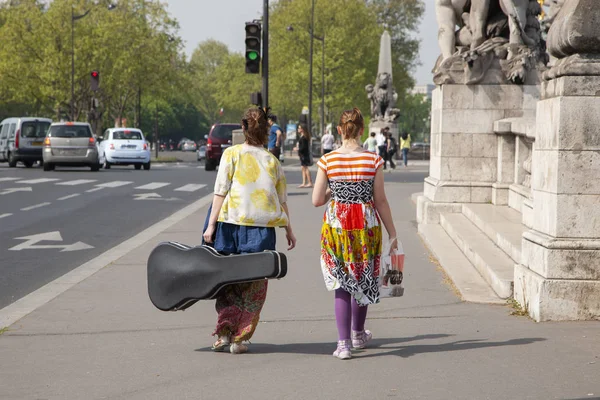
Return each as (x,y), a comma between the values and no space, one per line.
(22,139)
(419,151)
(188,146)
(70,144)
(124,146)
(201,153)
(218,139)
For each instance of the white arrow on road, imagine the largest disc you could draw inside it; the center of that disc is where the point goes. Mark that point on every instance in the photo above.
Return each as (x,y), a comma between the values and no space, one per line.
(30,243)
(13,190)
(152,196)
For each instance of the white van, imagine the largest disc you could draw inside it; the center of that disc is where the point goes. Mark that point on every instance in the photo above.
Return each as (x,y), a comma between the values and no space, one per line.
(22,139)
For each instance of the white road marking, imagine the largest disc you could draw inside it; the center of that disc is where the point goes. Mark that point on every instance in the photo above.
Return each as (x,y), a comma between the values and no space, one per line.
(153,185)
(5,215)
(113,184)
(152,196)
(9,179)
(69,196)
(192,187)
(26,305)
(94,189)
(14,190)
(30,243)
(76,182)
(40,180)
(36,206)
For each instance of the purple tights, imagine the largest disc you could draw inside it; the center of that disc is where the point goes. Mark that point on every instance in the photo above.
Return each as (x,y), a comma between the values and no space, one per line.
(348,314)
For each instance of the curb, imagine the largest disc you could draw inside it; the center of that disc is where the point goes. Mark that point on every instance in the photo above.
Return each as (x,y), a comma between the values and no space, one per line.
(26,305)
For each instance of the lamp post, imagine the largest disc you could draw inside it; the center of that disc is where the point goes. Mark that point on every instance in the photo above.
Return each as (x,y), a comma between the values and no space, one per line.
(73,19)
(310,79)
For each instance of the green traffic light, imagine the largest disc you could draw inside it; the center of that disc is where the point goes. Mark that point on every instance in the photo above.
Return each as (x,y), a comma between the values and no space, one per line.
(252,55)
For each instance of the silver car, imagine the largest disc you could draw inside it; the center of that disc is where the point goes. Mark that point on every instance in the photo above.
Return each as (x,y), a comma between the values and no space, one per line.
(70,144)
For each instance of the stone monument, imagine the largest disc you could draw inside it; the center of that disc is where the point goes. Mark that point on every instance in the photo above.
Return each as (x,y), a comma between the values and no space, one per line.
(382,95)
(559,274)
(498,42)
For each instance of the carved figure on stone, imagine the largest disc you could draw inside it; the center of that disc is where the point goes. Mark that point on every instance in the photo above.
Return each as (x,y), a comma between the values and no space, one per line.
(383,98)
(492,34)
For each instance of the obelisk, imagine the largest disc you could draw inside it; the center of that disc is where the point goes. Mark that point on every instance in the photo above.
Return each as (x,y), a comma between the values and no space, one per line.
(385,54)
(383,95)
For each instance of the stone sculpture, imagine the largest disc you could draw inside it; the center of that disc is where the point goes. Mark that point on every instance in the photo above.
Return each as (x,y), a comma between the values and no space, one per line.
(382,95)
(498,41)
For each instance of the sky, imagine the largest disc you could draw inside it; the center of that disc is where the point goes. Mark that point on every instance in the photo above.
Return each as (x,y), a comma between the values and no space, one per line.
(224,20)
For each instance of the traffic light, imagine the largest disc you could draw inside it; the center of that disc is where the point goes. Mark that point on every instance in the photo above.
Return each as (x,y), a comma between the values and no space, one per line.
(256,98)
(253,36)
(95,80)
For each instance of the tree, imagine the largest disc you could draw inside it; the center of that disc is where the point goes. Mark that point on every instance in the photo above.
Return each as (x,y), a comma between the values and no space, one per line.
(401,19)
(351,35)
(414,117)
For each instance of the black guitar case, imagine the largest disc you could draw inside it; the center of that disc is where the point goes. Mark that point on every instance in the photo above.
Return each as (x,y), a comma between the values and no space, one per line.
(180,275)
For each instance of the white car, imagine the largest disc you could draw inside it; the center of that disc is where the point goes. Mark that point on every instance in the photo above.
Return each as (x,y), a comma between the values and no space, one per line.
(124,146)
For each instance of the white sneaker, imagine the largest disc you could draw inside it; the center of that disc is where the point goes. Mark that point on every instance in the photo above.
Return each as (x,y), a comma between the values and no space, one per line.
(343,351)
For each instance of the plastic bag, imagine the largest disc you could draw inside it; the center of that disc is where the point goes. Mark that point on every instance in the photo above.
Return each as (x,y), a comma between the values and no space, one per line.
(391,271)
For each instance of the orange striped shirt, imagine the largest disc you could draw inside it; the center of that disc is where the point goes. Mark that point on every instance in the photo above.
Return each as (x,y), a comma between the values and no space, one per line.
(352,167)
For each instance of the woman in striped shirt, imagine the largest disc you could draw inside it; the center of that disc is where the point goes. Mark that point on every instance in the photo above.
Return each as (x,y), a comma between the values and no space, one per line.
(350,182)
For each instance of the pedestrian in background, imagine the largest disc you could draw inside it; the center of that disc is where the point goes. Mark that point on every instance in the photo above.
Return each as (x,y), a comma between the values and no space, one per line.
(382,146)
(327,142)
(350,182)
(405,146)
(250,200)
(392,148)
(304,149)
(275,136)
(371,143)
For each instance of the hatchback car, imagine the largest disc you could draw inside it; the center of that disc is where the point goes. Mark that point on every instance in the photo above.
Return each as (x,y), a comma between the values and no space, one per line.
(124,146)
(70,144)
(201,153)
(188,146)
(218,139)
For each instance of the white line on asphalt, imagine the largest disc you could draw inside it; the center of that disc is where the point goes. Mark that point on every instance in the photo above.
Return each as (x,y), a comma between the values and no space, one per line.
(9,179)
(4,215)
(190,188)
(76,182)
(94,190)
(26,305)
(69,196)
(114,184)
(153,185)
(36,206)
(40,180)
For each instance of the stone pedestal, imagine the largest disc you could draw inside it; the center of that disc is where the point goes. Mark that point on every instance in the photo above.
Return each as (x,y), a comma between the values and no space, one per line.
(464,148)
(559,275)
(559,278)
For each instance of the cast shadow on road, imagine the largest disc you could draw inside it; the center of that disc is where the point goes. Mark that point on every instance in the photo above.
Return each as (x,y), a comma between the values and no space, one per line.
(388,346)
(325,348)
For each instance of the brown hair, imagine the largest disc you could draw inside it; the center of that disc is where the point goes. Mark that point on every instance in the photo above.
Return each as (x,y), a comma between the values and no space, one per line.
(352,123)
(305,130)
(255,126)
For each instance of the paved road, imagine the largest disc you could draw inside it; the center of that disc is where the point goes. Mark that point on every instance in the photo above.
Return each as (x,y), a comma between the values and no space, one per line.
(93,212)
(69,216)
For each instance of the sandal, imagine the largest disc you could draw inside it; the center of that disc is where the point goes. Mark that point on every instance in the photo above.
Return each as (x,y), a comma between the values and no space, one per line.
(238,348)
(220,344)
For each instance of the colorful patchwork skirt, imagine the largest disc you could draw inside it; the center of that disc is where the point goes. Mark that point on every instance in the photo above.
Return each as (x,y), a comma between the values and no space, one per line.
(351,250)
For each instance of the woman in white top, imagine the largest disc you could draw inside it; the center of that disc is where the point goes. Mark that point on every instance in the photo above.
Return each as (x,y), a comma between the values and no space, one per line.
(249,202)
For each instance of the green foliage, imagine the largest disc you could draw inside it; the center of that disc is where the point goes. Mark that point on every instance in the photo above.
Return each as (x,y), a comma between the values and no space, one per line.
(415,116)
(146,79)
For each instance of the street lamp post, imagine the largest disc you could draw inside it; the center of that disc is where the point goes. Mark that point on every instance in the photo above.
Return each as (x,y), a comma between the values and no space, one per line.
(322,113)
(73,19)
(310,66)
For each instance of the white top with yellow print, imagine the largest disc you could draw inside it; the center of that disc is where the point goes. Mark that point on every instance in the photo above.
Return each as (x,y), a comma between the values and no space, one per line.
(254,186)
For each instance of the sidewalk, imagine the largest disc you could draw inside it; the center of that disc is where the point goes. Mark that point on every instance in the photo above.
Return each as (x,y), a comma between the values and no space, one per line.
(103,339)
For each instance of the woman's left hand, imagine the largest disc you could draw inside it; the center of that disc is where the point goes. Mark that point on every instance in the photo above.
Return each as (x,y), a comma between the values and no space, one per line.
(290,238)
(209,233)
